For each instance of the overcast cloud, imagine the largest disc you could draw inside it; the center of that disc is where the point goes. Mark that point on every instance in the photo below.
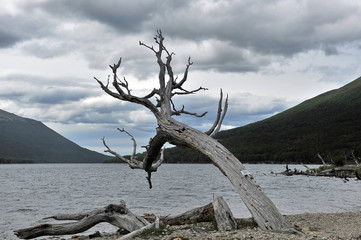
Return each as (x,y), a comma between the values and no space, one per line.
(267,55)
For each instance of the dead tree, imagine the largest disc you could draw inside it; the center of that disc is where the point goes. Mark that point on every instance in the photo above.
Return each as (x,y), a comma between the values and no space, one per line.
(159,102)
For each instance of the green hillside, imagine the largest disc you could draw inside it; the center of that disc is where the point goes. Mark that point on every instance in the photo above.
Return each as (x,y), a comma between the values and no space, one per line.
(27,140)
(329,124)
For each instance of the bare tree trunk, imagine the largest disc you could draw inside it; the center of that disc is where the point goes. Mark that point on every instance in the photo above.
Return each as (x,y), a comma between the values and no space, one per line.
(261,207)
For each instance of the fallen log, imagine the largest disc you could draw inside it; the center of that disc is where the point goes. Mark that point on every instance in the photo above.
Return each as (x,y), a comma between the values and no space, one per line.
(223,215)
(196,215)
(117,215)
(339,172)
(131,235)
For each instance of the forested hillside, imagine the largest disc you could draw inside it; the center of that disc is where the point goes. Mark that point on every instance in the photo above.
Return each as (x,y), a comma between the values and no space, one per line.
(329,124)
(28,140)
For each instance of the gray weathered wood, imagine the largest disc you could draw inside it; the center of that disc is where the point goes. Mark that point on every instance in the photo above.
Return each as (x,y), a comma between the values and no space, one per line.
(135,233)
(117,215)
(199,214)
(223,215)
(261,207)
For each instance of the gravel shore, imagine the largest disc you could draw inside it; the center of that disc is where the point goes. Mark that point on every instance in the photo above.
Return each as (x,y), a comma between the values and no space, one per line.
(313,225)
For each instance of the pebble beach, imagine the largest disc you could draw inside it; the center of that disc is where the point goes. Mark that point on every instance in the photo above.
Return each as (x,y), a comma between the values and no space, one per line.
(313,226)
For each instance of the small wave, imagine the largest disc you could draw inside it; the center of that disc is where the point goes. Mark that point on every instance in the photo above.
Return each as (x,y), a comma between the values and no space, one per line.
(23,210)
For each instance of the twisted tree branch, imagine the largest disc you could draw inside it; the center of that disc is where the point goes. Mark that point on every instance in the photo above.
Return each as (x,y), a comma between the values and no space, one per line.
(153,159)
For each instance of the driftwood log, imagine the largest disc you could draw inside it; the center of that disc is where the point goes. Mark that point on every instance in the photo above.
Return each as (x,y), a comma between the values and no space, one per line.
(339,172)
(123,218)
(223,215)
(131,235)
(200,214)
(117,215)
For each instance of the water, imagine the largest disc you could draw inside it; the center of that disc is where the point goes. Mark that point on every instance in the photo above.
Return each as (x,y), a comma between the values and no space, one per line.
(29,193)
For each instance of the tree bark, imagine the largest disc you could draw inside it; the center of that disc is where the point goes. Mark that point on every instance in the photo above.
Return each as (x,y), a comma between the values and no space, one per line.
(223,215)
(261,207)
(131,235)
(200,214)
(117,215)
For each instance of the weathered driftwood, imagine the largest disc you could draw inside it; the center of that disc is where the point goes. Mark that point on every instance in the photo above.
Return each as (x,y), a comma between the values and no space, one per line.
(196,215)
(159,102)
(200,214)
(117,215)
(339,172)
(131,235)
(320,157)
(223,215)
(355,158)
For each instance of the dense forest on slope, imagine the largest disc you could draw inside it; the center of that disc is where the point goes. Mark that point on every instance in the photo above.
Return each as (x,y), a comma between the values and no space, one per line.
(24,140)
(329,124)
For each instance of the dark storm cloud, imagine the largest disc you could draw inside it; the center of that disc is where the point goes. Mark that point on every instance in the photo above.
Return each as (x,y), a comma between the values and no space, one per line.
(236,31)
(125,16)
(273,27)
(7,39)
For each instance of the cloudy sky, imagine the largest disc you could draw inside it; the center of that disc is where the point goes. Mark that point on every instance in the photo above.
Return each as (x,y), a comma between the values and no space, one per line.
(267,55)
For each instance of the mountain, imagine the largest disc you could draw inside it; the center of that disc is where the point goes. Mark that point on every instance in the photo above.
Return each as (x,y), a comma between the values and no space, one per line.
(328,124)
(28,140)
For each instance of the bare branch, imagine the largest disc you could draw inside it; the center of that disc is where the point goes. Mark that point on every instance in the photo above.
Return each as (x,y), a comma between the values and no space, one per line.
(153,159)
(182,111)
(145,45)
(134,164)
(116,66)
(220,117)
(354,157)
(185,92)
(151,94)
(124,84)
(320,157)
(159,40)
(108,91)
(219,112)
(125,95)
(133,157)
(185,75)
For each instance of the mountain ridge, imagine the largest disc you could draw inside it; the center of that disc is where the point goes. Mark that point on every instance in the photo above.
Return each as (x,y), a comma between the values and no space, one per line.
(328,124)
(29,140)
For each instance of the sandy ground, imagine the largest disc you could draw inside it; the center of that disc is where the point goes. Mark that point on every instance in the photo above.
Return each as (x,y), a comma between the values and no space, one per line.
(314,226)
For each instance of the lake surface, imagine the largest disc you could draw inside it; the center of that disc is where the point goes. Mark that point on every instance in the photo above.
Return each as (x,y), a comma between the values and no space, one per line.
(29,193)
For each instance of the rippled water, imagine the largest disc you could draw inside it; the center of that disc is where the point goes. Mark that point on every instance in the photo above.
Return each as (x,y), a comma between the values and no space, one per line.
(29,193)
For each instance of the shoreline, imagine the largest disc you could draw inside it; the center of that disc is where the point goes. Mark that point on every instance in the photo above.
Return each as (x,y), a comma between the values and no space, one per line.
(345,225)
